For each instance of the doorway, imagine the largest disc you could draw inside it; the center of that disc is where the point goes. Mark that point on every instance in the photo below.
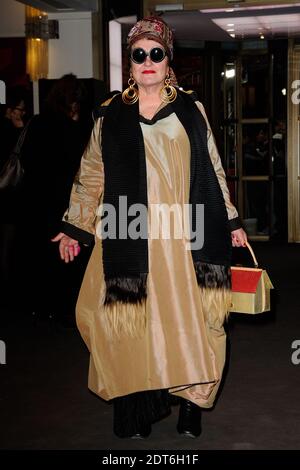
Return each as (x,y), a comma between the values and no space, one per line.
(249,79)
(254,90)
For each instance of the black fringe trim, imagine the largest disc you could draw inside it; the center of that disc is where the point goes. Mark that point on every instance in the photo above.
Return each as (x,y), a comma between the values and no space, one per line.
(213,275)
(126,289)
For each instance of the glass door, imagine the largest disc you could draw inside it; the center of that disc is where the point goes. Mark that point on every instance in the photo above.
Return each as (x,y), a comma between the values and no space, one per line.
(254,136)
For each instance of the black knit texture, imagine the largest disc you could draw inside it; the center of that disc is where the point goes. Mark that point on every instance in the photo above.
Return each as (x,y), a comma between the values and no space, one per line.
(125,175)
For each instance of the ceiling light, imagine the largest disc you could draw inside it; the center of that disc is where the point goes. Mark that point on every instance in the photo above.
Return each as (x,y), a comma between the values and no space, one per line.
(230,73)
(231,30)
(169,7)
(245,8)
(261,25)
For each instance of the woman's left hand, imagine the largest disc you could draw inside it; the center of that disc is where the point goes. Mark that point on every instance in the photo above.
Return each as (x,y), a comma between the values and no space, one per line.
(238,237)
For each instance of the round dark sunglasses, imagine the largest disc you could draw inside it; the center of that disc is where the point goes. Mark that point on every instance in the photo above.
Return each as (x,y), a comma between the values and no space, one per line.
(139,55)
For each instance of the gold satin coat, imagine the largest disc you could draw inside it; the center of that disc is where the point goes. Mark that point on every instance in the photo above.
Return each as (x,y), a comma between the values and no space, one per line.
(183,345)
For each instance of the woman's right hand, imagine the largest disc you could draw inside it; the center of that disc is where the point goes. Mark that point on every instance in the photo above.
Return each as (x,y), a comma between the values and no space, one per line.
(68,247)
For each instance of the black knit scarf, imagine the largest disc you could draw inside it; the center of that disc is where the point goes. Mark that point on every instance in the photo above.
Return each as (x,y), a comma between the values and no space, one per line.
(125,260)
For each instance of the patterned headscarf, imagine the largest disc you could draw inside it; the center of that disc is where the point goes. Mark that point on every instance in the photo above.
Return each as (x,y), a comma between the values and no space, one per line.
(154,28)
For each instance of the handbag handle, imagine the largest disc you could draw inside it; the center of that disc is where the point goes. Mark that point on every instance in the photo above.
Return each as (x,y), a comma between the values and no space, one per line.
(252,254)
(21,138)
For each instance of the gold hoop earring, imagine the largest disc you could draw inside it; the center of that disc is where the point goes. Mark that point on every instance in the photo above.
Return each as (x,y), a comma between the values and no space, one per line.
(131,94)
(168,93)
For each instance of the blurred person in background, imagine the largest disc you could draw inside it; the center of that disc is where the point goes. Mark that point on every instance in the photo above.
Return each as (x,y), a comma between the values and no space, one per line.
(12,121)
(51,155)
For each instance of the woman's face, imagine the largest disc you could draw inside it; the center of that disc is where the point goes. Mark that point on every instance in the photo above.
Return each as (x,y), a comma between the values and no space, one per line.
(149,73)
(16,114)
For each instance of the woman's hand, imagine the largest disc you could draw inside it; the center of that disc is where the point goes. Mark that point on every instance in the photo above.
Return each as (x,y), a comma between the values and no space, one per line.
(238,237)
(68,247)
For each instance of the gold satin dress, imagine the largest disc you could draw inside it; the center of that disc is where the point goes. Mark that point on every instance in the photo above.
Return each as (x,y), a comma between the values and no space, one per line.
(182,347)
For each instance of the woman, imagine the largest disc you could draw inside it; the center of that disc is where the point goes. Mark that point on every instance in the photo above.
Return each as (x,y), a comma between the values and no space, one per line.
(51,156)
(151,310)
(11,125)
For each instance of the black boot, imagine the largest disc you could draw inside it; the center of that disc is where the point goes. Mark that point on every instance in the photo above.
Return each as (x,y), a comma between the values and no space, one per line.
(130,416)
(142,433)
(189,420)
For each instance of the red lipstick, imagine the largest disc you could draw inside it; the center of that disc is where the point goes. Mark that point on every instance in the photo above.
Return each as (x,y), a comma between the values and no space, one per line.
(148,71)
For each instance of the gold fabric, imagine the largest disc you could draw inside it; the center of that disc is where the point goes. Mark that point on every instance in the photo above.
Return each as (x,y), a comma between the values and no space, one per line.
(183,345)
